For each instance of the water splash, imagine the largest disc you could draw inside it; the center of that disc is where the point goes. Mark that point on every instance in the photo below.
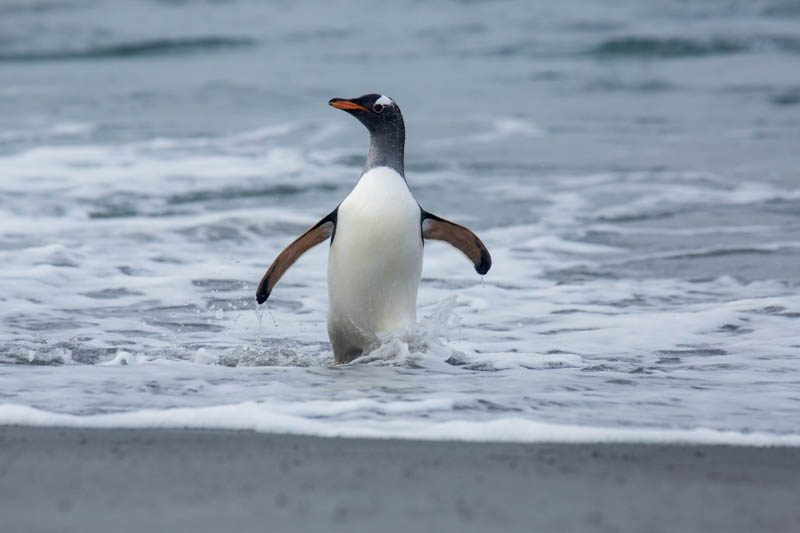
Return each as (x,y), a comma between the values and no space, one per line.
(418,345)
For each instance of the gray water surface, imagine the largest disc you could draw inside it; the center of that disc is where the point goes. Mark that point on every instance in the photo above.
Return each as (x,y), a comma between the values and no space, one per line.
(632,168)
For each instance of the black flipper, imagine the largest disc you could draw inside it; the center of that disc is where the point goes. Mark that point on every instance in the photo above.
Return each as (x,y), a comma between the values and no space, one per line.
(316,234)
(439,229)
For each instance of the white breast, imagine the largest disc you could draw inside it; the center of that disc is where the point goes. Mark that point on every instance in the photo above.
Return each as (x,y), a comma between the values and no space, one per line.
(375,260)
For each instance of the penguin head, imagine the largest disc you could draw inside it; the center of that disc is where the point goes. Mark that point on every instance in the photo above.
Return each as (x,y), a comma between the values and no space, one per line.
(377,112)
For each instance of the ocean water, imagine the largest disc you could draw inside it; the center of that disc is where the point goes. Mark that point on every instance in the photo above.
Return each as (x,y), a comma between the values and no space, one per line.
(634,170)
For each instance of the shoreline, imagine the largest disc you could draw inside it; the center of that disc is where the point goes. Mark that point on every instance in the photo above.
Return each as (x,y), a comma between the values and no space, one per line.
(253,416)
(76,479)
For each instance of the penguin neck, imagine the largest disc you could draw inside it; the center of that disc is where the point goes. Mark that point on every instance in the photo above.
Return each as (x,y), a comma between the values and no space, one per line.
(386,149)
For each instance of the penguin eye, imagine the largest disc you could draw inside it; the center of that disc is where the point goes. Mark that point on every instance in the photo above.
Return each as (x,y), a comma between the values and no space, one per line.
(377,108)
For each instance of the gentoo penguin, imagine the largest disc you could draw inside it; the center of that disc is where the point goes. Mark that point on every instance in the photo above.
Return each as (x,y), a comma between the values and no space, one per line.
(377,234)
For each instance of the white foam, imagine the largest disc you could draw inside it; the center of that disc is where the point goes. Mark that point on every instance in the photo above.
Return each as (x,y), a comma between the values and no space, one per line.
(505,127)
(164,295)
(275,418)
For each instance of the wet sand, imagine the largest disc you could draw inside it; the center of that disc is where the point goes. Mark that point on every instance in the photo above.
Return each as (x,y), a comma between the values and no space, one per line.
(88,480)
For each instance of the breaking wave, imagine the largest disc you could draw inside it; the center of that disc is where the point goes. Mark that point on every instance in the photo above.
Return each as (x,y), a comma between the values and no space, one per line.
(132,49)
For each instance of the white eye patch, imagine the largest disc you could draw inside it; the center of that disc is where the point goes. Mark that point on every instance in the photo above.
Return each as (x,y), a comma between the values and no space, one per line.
(384,100)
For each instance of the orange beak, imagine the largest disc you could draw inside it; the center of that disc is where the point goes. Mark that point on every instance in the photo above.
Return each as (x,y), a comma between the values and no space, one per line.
(347,105)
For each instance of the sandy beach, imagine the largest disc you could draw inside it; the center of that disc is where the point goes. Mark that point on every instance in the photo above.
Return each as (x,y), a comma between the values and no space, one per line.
(632,169)
(54,479)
